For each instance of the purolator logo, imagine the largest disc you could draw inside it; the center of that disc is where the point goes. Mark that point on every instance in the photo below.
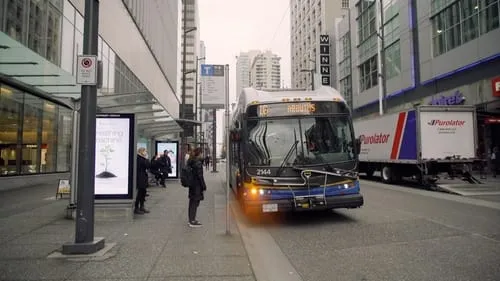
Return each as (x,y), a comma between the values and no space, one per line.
(451,123)
(379,138)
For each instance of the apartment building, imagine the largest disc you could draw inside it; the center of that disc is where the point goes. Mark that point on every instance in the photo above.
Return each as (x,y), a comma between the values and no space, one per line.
(310,19)
(243,63)
(439,52)
(265,71)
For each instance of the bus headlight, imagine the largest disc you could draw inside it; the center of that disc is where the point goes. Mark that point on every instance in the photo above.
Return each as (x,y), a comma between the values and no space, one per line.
(349,185)
(253,191)
(261,191)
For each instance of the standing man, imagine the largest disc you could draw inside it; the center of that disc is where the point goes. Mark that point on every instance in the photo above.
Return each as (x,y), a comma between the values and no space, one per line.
(142,181)
(165,167)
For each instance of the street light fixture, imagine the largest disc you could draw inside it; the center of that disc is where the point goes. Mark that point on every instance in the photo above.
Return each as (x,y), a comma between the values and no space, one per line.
(381,60)
(196,97)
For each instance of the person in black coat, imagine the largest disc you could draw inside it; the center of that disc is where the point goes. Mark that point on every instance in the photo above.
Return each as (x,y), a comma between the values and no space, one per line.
(197,186)
(165,165)
(142,181)
(155,168)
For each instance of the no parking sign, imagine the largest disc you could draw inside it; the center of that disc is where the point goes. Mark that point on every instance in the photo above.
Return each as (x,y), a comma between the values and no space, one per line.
(86,70)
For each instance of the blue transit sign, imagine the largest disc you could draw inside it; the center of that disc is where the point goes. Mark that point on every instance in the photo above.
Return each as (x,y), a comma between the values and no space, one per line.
(212,85)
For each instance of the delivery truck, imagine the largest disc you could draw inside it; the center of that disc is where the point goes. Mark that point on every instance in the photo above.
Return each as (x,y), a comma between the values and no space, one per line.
(421,142)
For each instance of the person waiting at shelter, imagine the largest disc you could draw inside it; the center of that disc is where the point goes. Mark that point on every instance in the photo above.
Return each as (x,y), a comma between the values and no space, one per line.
(165,167)
(143,165)
(197,185)
(155,168)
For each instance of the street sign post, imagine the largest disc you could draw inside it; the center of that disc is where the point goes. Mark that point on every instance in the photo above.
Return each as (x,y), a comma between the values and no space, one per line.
(86,70)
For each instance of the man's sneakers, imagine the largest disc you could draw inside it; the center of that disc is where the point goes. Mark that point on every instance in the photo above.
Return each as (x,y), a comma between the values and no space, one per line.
(195,223)
(141,211)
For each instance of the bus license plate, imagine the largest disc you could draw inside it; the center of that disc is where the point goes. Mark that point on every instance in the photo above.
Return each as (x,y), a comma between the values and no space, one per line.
(269,208)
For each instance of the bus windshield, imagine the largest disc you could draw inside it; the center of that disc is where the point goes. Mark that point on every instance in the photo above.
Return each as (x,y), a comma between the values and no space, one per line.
(310,140)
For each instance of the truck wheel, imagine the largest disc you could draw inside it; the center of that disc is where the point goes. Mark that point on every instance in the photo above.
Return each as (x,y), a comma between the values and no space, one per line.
(387,174)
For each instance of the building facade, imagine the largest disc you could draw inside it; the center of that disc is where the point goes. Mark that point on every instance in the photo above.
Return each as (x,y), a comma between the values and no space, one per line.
(243,64)
(191,35)
(265,71)
(310,19)
(442,52)
(39,45)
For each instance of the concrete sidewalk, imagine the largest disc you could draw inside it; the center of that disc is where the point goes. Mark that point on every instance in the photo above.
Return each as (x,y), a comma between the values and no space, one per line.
(155,246)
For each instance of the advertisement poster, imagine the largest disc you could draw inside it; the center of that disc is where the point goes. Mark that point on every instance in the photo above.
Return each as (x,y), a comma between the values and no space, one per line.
(113,161)
(172,148)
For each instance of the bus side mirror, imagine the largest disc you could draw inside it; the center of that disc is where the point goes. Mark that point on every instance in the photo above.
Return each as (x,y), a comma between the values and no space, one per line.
(358,146)
(237,125)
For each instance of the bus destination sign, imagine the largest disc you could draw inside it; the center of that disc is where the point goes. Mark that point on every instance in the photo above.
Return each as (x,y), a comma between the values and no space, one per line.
(295,108)
(284,109)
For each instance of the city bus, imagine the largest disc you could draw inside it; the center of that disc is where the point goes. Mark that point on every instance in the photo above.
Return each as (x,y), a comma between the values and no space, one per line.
(293,150)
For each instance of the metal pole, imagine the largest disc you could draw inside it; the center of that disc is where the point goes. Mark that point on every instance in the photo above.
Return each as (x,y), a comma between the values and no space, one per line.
(183,95)
(226,73)
(196,104)
(84,236)
(214,139)
(350,58)
(381,61)
(74,160)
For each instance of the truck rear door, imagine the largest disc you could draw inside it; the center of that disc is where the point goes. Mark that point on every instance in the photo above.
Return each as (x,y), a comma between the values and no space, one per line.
(447,132)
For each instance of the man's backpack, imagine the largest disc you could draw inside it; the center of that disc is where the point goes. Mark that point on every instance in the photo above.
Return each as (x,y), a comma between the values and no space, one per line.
(186,176)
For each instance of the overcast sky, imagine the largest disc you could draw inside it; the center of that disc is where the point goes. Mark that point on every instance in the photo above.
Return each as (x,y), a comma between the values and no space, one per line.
(231,26)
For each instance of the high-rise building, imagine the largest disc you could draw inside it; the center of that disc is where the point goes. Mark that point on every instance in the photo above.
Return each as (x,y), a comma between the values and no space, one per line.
(39,45)
(265,71)
(436,53)
(192,41)
(243,64)
(310,19)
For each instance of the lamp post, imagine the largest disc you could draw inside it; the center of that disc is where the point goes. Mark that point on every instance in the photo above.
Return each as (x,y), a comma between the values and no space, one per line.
(381,59)
(196,98)
(349,37)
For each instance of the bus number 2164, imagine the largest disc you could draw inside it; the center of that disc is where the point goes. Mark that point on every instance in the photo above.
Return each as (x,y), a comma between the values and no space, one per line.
(263,172)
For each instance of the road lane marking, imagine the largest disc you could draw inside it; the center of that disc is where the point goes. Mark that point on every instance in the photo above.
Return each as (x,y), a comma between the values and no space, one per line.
(268,261)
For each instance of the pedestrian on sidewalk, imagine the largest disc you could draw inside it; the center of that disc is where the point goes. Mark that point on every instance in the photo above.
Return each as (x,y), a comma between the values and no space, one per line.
(197,185)
(142,181)
(165,167)
(495,161)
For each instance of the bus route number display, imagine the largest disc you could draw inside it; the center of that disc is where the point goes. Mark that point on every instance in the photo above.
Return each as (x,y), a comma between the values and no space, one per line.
(284,109)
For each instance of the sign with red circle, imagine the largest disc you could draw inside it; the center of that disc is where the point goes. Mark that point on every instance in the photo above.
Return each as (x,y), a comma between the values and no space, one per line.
(86,63)
(86,72)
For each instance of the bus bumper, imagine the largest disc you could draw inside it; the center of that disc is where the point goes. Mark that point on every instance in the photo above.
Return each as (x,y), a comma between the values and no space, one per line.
(305,204)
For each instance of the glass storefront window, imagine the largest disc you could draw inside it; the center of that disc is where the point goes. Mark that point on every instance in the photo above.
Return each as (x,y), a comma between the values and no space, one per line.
(32,123)
(49,138)
(64,139)
(35,135)
(10,109)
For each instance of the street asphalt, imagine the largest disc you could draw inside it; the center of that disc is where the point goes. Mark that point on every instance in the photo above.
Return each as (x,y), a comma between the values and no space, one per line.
(401,233)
